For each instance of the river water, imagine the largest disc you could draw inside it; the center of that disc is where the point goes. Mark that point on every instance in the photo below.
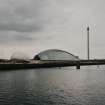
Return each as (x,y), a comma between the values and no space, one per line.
(56,86)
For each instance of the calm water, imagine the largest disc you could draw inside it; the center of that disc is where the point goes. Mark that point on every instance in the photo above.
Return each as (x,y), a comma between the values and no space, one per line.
(57,86)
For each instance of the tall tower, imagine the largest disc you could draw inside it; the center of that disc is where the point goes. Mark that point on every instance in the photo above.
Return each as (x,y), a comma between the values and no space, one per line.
(88,47)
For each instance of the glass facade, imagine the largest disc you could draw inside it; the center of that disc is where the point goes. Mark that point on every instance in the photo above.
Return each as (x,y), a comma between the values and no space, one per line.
(55,54)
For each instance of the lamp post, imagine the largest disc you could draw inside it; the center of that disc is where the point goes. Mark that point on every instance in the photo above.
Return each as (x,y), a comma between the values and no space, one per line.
(88,47)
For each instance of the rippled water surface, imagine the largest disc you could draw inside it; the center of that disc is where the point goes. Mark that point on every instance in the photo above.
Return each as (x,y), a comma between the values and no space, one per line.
(57,86)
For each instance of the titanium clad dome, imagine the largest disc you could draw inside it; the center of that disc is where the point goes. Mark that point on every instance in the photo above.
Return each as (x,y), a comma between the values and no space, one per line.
(55,54)
(19,56)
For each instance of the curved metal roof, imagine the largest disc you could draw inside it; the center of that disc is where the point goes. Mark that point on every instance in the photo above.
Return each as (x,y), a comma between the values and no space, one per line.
(55,54)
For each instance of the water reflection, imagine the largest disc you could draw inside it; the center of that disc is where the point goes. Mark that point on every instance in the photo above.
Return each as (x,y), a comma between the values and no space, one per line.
(65,86)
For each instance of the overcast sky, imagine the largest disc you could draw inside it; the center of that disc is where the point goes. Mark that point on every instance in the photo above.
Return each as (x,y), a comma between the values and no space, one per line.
(31,26)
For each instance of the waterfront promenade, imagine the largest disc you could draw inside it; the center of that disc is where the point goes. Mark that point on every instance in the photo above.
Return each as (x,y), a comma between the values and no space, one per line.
(48,63)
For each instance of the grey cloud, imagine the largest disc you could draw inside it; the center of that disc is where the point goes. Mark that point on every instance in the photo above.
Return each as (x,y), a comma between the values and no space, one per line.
(21,15)
(20,26)
(11,37)
(23,38)
(51,23)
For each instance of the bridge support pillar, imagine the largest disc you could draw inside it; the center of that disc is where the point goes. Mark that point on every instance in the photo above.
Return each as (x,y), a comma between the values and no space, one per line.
(78,66)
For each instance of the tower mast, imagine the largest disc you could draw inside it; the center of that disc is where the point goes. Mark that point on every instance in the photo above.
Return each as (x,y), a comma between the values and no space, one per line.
(88,47)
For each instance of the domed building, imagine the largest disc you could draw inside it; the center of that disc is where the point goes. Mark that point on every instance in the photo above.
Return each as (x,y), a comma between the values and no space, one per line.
(55,54)
(19,56)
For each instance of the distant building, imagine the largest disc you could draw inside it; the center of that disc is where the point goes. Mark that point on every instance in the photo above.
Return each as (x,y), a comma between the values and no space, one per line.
(55,54)
(19,56)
